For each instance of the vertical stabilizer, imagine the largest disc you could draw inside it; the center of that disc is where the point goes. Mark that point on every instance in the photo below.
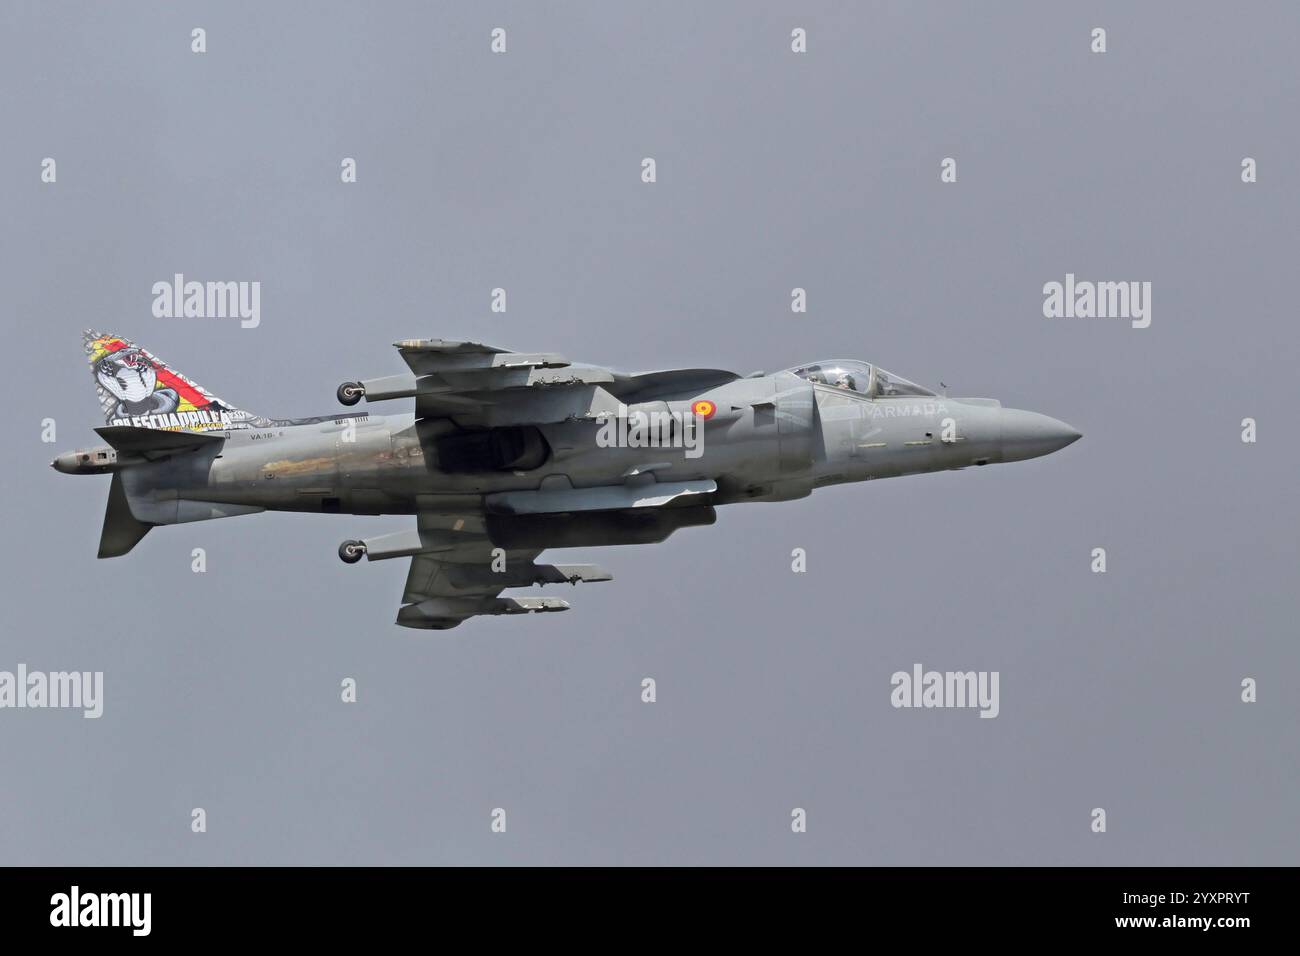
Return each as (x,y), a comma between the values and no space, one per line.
(137,388)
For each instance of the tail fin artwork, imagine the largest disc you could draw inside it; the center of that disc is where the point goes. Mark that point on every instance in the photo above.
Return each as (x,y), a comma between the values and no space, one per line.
(152,413)
(136,388)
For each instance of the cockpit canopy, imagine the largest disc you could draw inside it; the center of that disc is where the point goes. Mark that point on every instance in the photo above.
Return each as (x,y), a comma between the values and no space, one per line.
(869,380)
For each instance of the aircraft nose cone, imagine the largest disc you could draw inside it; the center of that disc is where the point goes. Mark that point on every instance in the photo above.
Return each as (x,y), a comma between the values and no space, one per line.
(1030,435)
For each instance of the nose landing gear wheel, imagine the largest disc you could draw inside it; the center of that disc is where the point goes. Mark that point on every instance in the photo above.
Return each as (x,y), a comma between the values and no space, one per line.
(350,393)
(351,551)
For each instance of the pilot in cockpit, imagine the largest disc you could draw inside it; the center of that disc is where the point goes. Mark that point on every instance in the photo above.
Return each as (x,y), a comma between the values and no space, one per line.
(853,376)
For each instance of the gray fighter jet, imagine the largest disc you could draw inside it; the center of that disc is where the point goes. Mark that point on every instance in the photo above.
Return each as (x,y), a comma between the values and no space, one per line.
(508,453)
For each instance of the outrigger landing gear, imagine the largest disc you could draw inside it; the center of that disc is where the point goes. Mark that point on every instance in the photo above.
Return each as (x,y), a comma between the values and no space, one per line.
(350,393)
(351,551)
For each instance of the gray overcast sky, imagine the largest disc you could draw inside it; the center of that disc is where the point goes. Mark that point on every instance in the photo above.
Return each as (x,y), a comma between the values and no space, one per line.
(775,170)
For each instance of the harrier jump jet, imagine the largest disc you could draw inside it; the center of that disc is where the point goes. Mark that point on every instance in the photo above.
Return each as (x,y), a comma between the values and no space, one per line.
(506,454)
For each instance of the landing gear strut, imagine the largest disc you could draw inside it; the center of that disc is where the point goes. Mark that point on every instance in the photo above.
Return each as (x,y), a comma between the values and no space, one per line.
(350,393)
(351,551)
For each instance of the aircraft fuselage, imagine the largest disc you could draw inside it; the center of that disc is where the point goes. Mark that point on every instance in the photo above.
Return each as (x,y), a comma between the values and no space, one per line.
(772,437)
